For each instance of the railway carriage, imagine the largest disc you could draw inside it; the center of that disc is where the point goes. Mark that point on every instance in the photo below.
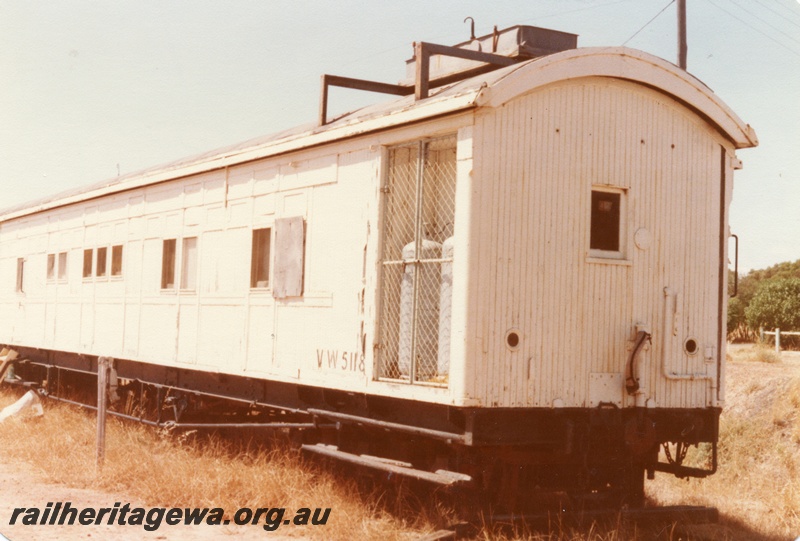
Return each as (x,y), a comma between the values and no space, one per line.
(512,275)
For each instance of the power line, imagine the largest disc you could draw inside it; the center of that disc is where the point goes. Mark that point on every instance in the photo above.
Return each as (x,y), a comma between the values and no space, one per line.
(790,10)
(766,23)
(754,28)
(766,6)
(650,21)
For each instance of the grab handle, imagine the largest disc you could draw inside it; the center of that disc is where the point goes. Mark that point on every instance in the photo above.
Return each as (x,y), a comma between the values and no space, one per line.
(735,266)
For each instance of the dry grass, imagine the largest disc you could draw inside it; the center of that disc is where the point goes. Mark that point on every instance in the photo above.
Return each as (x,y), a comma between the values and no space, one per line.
(757,487)
(785,412)
(593,532)
(758,353)
(162,470)
(166,470)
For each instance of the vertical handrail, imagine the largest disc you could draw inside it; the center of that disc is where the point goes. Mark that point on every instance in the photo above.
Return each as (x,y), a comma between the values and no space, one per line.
(735,266)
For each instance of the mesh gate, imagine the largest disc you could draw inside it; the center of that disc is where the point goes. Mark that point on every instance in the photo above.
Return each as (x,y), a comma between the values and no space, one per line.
(417,262)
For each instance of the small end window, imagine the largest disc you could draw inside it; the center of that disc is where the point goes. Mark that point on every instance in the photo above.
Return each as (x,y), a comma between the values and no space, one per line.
(102,261)
(62,265)
(116,260)
(88,256)
(189,263)
(51,266)
(168,264)
(606,223)
(259,264)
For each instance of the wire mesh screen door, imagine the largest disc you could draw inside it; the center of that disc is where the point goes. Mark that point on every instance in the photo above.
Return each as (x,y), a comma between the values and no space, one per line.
(417,262)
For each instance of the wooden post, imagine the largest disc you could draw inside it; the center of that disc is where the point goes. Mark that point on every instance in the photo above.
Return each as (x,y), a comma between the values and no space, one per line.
(761,335)
(323,100)
(103,365)
(778,340)
(682,48)
(423,72)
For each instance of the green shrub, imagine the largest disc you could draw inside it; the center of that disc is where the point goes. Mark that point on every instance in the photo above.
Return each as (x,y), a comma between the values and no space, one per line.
(776,304)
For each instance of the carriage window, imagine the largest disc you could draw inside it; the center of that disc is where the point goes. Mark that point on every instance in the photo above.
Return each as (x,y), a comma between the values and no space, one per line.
(20,274)
(51,266)
(62,266)
(116,260)
(168,264)
(606,224)
(189,263)
(102,261)
(259,264)
(88,256)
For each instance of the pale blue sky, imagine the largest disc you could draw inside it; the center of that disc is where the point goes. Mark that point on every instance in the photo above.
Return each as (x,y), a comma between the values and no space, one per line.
(87,85)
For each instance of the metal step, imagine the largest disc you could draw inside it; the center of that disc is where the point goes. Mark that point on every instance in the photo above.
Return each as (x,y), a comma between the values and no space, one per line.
(441,477)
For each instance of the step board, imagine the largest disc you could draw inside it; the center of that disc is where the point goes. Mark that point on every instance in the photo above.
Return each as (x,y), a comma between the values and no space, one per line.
(441,477)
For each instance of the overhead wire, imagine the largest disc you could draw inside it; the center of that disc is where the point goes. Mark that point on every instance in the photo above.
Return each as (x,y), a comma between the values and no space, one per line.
(648,22)
(374,54)
(751,27)
(790,10)
(765,22)
(766,6)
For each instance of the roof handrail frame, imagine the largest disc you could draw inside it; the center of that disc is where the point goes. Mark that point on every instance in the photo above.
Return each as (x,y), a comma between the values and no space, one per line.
(423,83)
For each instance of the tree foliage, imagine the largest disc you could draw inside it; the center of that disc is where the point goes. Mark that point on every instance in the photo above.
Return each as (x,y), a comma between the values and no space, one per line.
(740,326)
(776,304)
(736,319)
(787,269)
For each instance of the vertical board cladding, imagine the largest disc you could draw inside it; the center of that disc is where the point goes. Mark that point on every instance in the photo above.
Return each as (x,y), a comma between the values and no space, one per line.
(337,269)
(209,316)
(538,157)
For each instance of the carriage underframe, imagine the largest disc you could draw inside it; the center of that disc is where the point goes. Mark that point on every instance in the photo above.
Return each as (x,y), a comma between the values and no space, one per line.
(510,459)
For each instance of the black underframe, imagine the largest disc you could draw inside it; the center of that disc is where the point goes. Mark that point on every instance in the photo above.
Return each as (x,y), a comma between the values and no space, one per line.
(539,432)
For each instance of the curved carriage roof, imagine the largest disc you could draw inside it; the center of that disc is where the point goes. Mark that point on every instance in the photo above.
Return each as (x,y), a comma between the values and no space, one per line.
(491,89)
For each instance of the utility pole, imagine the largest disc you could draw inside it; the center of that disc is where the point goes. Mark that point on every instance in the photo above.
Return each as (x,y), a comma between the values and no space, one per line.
(682,34)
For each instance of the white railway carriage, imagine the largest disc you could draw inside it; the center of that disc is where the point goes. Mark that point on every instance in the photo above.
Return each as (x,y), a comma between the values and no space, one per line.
(518,275)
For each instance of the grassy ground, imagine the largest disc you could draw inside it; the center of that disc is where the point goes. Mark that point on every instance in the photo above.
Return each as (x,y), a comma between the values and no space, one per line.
(756,488)
(162,470)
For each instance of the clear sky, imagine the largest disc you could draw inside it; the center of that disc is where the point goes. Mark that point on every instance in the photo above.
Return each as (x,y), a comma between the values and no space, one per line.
(89,88)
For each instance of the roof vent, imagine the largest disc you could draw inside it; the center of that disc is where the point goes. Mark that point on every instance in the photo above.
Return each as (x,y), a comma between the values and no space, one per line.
(517,42)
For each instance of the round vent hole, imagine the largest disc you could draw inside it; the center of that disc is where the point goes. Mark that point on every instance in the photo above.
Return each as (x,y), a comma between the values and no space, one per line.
(512,339)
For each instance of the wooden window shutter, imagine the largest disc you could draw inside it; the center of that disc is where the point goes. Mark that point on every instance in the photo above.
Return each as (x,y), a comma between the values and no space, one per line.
(289,257)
